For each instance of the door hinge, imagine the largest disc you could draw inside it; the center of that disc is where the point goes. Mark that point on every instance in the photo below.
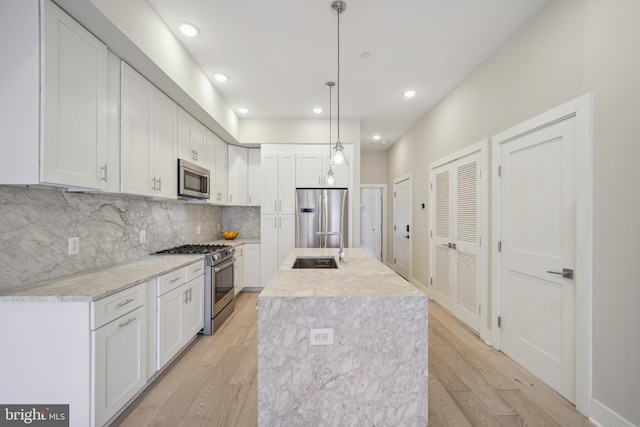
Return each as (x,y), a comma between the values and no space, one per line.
(431,185)
(499,321)
(500,246)
(394,260)
(480,172)
(499,170)
(431,281)
(394,194)
(431,233)
(394,227)
(479,310)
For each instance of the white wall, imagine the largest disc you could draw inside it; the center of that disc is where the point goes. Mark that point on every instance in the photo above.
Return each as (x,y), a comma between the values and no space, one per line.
(568,49)
(373,167)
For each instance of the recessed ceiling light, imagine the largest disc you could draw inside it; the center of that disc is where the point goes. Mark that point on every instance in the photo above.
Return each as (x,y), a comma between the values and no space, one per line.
(188,29)
(385,141)
(221,77)
(410,93)
(317,110)
(376,137)
(365,55)
(243,110)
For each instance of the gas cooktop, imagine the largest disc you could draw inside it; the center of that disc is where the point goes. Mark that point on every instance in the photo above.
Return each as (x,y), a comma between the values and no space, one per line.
(194,249)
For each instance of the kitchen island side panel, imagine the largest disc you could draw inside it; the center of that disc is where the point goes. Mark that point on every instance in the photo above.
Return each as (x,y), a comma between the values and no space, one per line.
(375,373)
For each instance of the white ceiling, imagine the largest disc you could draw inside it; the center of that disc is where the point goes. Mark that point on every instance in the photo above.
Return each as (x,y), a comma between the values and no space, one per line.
(279,54)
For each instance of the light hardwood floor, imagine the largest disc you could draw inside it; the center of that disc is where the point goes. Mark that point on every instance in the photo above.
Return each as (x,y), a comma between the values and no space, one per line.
(213,382)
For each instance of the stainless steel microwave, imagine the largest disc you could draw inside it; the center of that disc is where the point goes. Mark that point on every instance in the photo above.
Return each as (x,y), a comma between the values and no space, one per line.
(193,181)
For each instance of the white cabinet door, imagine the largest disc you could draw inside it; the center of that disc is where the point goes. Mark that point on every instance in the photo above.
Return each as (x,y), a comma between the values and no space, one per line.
(191,139)
(163,153)
(74,146)
(251,263)
(120,362)
(194,313)
(148,138)
(287,184)
(136,138)
(254,182)
(269,246)
(269,183)
(170,324)
(238,270)
(309,170)
(286,236)
(221,171)
(237,174)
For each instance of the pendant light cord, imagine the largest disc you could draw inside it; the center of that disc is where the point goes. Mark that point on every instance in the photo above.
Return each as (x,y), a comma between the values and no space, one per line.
(330,103)
(338,74)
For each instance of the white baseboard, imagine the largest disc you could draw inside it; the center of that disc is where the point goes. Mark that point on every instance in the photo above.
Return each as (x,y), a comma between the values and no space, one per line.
(603,416)
(420,286)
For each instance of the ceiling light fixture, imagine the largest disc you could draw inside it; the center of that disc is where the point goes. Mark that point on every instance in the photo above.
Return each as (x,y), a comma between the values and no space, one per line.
(317,110)
(243,110)
(338,7)
(410,93)
(188,30)
(221,77)
(331,179)
(376,137)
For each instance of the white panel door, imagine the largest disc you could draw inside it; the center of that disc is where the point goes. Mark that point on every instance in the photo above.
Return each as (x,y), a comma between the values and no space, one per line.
(287,184)
(163,153)
(254,177)
(309,170)
(371,221)
(286,236)
(537,229)
(402,228)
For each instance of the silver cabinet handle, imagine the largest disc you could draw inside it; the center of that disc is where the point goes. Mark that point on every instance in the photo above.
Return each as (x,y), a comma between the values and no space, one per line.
(154,183)
(175,279)
(104,177)
(249,199)
(449,245)
(230,198)
(123,324)
(159,184)
(197,269)
(567,273)
(275,206)
(123,303)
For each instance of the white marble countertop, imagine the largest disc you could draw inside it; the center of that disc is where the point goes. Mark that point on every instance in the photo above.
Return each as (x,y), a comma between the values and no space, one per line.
(359,275)
(94,284)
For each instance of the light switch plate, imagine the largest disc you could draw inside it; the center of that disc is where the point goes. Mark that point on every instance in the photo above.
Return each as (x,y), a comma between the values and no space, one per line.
(321,336)
(74,245)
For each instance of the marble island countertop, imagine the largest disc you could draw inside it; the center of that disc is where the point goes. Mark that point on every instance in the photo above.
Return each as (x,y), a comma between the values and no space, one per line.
(97,283)
(359,275)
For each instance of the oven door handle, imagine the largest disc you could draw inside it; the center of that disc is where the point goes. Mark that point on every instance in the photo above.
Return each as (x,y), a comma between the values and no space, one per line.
(224,265)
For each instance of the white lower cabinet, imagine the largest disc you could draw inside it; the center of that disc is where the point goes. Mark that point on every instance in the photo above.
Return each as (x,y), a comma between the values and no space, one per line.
(119,351)
(251,265)
(238,270)
(180,309)
(120,362)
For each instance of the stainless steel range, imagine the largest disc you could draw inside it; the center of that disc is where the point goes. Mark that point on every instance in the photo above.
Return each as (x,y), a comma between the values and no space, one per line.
(218,286)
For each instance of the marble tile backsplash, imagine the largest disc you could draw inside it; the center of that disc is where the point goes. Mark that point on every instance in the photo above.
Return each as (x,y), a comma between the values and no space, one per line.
(35,225)
(243,219)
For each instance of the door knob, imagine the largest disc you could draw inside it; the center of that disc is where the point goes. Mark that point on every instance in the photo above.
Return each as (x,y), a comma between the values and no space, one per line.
(567,273)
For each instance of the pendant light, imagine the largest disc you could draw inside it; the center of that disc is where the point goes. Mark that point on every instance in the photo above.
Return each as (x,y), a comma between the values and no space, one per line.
(338,7)
(331,179)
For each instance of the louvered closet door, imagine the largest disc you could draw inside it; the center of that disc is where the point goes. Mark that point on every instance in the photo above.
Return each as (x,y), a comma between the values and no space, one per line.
(441,263)
(456,238)
(466,236)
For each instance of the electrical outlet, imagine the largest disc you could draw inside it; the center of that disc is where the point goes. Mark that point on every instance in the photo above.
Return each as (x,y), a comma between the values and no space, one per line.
(74,245)
(198,229)
(143,236)
(321,336)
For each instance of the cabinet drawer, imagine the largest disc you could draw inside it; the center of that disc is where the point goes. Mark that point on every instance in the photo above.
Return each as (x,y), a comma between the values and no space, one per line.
(171,280)
(194,270)
(107,309)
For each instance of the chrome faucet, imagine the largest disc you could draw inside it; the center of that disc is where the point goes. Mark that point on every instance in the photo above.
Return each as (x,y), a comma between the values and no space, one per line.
(334,233)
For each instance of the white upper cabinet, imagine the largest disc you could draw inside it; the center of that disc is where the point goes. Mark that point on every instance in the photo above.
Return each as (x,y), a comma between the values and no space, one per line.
(237,175)
(217,165)
(254,177)
(191,139)
(312,171)
(278,183)
(148,138)
(57,136)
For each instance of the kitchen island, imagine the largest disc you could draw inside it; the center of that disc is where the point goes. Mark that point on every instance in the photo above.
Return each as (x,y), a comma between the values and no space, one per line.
(375,370)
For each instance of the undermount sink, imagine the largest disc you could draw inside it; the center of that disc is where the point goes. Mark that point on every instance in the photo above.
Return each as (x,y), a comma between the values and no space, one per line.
(315,262)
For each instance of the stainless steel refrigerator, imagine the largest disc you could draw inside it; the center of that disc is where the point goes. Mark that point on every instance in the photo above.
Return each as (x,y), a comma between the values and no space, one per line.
(325,210)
